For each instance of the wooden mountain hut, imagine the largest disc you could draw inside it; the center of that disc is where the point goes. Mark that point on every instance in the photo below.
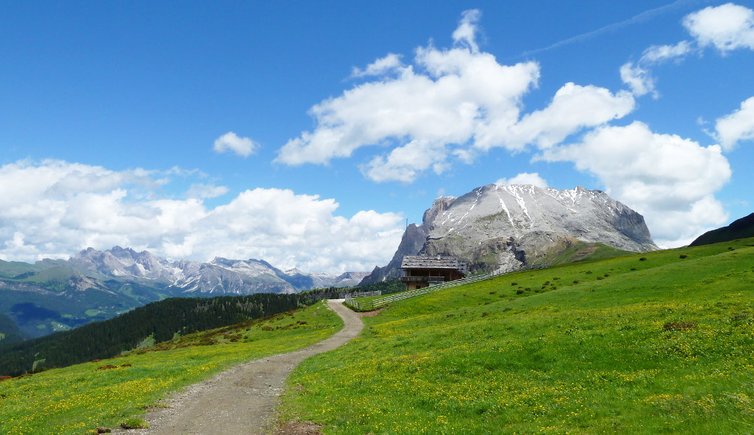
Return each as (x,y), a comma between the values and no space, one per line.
(423,271)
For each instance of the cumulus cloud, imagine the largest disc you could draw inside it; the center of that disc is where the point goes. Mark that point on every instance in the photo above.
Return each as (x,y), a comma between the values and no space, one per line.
(406,162)
(736,126)
(573,108)
(726,27)
(231,142)
(451,103)
(669,179)
(442,105)
(532,178)
(55,208)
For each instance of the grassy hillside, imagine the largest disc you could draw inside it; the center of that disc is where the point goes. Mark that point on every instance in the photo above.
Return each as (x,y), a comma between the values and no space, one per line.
(648,343)
(572,251)
(106,393)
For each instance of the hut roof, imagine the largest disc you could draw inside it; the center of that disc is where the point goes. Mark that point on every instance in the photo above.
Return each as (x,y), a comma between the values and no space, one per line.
(423,262)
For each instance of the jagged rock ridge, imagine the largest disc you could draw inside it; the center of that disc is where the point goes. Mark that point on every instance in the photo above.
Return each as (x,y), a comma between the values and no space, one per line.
(219,276)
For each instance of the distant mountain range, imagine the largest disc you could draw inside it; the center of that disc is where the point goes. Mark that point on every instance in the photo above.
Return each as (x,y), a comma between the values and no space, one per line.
(508,227)
(219,276)
(54,295)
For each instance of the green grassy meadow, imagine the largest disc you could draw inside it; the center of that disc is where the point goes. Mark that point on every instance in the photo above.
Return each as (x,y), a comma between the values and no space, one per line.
(106,393)
(647,343)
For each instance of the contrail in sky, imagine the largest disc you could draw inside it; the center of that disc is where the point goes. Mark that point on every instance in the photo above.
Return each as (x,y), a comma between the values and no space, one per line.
(638,18)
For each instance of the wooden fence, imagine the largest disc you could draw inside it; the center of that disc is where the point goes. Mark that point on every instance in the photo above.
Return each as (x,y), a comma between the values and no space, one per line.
(373,304)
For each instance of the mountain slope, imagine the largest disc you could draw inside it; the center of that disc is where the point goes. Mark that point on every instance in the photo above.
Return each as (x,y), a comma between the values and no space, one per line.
(658,342)
(739,229)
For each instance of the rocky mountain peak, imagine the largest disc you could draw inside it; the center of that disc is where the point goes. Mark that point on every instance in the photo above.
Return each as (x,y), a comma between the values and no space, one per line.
(506,227)
(438,206)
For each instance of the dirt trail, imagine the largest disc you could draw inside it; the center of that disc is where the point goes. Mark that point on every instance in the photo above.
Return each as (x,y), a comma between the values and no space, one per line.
(243,399)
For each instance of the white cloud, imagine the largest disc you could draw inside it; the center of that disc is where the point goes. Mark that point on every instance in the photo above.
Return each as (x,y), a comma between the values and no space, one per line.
(406,162)
(242,146)
(439,110)
(532,178)
(736,126)
(206,191)
(661,53)
(451,103)
(572,109)
(383,65)
(726,27)
(638,79)
(669,179)
(55,208)
(465,33)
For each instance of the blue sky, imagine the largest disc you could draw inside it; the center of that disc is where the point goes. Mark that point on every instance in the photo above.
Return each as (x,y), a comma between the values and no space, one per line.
(110,112)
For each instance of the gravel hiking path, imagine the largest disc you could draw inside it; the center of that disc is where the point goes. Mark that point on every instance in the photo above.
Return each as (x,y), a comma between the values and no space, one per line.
(243,399)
